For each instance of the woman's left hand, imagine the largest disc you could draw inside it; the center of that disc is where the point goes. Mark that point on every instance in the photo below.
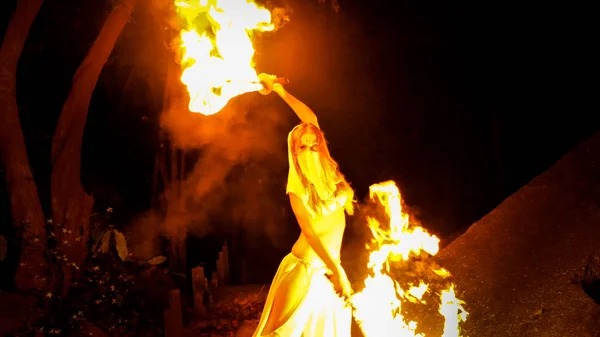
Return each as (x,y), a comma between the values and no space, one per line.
(340,281)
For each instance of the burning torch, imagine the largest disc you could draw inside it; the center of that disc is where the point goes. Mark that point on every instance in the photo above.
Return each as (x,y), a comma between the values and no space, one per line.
(268,81)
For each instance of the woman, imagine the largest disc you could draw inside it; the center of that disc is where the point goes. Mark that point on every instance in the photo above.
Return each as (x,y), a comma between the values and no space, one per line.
(306,296)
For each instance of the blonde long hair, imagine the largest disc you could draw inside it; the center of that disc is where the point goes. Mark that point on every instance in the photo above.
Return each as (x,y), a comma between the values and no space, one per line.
(330,166)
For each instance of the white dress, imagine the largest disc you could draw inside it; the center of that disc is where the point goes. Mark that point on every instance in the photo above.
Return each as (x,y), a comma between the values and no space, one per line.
(321,312)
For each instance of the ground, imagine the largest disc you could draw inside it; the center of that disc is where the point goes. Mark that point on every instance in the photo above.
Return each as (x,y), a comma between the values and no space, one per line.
(236,311)
(520,268)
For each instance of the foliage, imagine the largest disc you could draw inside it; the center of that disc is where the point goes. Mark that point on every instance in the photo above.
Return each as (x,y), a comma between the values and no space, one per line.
(104,243)
(115,292)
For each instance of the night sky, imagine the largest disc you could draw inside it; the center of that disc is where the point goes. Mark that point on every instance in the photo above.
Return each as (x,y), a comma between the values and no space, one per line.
(460,103)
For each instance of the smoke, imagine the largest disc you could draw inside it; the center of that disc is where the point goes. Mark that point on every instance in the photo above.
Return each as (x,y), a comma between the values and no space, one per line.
(143,235)
(233,175)
(234,168)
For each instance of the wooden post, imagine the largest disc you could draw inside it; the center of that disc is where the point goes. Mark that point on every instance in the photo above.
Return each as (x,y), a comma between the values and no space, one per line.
(215,279)
(238,255)
(200,284)
(223,265)
(173,321)
(225,257)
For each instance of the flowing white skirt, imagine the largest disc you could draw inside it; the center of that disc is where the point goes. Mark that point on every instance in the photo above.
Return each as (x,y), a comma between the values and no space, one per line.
(320,313)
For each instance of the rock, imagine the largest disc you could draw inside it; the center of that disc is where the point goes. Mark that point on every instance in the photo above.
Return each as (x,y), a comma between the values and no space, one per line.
(591,278)
(200,286)
(172,316)
(515,267)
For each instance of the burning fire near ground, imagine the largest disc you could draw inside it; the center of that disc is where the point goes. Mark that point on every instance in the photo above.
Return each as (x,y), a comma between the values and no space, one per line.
(384,307)
(217,52)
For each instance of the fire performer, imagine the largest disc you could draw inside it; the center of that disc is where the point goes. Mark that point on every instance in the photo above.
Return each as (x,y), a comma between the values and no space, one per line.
(307,295)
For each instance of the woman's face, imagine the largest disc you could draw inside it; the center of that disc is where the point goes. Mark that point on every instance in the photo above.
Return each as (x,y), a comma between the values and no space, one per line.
(308,142)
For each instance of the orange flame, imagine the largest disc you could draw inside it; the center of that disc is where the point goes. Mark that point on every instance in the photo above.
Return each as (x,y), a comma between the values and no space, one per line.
(217,50)
(378,307)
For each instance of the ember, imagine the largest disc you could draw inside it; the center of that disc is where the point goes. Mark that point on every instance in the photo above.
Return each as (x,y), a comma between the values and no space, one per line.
(379,306)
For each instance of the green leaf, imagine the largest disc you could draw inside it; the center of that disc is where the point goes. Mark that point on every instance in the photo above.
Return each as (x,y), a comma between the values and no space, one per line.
(2,248)
(121,245)
(157,260)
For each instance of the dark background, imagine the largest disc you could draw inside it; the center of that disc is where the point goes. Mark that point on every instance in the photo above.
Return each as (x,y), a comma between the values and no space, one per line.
(460,103)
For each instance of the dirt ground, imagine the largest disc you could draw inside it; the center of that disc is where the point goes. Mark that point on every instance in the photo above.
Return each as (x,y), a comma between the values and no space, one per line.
(520,268)
(235,312)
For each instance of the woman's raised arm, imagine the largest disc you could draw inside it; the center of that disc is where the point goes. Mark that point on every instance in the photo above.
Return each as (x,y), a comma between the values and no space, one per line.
(303,112)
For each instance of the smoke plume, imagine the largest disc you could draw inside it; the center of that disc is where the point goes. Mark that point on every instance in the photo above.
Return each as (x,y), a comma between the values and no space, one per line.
(225,172)
(235,166)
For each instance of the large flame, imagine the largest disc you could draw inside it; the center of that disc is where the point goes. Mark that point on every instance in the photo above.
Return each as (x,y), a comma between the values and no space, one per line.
(378,308)
(217,51)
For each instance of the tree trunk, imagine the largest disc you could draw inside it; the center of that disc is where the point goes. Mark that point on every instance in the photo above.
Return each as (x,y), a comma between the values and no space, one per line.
(160,181)
(175,222)
(498,156)
(25,206)
(71,205)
